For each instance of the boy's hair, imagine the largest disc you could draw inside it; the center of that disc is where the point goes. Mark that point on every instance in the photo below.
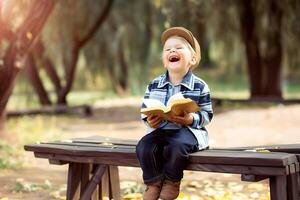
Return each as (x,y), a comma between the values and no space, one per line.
(188,36)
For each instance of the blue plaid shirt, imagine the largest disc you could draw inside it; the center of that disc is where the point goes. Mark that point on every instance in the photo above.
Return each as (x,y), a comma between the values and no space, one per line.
(191,87)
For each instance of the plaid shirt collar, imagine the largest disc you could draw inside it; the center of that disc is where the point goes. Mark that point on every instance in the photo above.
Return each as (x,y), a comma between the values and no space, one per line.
(187,81)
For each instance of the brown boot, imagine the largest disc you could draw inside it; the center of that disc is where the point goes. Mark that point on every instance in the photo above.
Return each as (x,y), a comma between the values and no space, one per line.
(152,191)
(170,190)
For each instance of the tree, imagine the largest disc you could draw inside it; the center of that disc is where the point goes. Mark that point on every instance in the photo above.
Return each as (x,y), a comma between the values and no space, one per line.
(124,48)
(17,44)
(264,65)
(80,32)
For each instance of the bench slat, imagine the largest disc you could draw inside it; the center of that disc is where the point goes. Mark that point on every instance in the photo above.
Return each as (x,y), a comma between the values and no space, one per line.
(243,157)
(207,156)
(288,148)
(101,139)
(236,169)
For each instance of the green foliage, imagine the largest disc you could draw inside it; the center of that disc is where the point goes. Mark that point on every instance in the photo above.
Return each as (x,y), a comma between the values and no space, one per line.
(9,158)
(25,186)
(129,187)
(135,28)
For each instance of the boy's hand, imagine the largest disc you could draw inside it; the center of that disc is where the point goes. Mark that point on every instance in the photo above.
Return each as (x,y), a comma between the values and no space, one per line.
(185,120)
(154,121)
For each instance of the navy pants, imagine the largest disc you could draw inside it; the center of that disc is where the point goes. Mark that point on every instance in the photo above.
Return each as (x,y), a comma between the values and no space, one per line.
(164,153)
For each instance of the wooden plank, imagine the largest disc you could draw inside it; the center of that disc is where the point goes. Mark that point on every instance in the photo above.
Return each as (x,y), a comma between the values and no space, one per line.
(57,162)
(83,144)
(253,178)
(293,185)
(242,158)
(97,139)
(93,183)
(104,185)
(114,183)
(118,161)
(85,176)
(73,181)
(278,188)
(236,169)
(97,191)
(80,150)
(207,156)
(239,169)
(287,148)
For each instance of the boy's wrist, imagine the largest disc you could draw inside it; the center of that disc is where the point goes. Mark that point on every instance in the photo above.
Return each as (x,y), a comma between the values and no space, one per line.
(196,120)
(191,119)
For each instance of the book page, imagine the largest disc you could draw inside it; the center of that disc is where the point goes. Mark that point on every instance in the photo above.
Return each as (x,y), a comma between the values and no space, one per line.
(176,96)
(153,103)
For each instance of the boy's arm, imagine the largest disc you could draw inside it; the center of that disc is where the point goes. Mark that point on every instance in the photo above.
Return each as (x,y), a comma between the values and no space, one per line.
(146,96)
(145,117)
(205,115)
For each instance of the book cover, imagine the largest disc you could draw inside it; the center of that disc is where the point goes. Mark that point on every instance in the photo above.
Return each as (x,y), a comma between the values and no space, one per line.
(176,106)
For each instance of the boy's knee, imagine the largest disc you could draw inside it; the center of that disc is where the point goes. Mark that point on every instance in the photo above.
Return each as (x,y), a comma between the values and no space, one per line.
(143,148)
(174,150)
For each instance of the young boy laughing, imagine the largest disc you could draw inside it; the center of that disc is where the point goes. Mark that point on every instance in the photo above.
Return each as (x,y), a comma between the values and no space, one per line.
(163,151)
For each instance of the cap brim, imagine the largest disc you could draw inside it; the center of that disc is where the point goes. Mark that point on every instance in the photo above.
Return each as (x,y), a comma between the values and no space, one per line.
(179,31)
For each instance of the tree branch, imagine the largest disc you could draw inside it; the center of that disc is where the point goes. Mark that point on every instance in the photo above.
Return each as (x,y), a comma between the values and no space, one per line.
(101,18)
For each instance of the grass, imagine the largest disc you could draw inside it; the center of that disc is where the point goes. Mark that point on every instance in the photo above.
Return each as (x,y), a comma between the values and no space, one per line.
(9,157)
(25,130)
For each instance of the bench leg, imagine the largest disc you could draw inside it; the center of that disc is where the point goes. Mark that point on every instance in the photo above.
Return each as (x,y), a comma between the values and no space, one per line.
(93,183)
(278,187)
(104,185)
(85,176)
(73,181)
(293,186)
(114,183)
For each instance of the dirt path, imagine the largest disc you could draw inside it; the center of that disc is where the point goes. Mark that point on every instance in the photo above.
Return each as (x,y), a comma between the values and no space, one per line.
(280,124)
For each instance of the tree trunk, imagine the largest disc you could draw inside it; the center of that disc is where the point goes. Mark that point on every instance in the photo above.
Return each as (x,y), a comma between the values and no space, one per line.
(19,45)
(264,69)
(48,65)
(62,96)
(78,44)
(273,56)
(250,38)
(2,121)
(122,87)
(36,82)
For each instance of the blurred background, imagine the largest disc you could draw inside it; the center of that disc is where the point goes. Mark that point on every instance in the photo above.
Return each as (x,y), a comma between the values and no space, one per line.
(87,63)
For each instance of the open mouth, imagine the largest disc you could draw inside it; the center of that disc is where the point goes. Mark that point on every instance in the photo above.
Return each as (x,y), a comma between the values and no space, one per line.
(174,58)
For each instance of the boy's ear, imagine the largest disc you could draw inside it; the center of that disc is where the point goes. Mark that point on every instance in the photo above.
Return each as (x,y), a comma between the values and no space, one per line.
(193,60)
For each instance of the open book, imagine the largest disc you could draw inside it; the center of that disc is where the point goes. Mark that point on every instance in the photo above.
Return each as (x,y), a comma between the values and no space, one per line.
(176,106)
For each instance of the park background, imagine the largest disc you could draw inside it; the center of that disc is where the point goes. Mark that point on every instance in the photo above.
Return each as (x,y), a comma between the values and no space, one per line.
(56,56)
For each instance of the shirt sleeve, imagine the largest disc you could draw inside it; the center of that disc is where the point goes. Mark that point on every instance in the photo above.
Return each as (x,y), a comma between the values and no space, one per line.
(143,116)
(146,96)
(205,115)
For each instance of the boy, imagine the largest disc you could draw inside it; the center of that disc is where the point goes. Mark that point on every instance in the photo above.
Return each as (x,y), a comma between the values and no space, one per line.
(163,152)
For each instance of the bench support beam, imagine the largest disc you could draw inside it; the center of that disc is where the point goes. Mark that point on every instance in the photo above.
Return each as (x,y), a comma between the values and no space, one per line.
(278,187)
(93,183)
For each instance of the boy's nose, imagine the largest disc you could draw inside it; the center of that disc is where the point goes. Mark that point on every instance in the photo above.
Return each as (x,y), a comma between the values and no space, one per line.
(172,50)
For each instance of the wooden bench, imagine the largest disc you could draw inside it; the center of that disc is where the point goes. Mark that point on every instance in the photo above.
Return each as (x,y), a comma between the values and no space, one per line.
(293,180)
(93,161)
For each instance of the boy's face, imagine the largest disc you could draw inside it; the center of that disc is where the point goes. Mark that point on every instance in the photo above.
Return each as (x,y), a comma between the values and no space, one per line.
(177,55)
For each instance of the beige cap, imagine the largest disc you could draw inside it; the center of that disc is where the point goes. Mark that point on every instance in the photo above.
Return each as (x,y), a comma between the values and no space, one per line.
(187,35)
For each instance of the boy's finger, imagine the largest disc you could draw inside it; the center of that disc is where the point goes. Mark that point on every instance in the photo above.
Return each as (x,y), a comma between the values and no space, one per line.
(156,124)
(150,116)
